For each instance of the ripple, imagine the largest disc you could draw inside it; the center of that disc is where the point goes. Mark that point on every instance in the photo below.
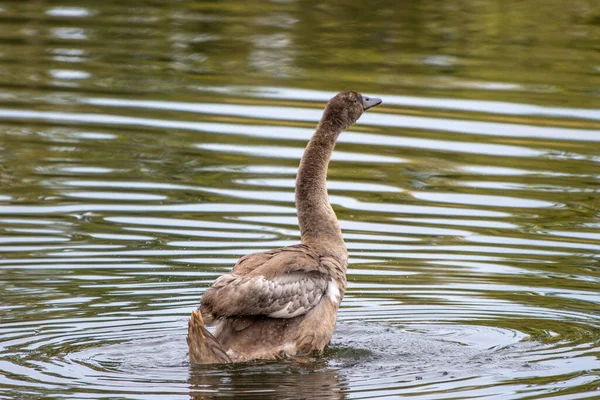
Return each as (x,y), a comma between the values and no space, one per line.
(69,74)
(363,357)
(181,222)
(378,119)
(373,227)
(533,243)
(461,222)
(481,200)
(69,33)
(295,153)
(89,207)
(69,12)
(134,174)
(495,107)
(331,185)
(116,196)
(32,239)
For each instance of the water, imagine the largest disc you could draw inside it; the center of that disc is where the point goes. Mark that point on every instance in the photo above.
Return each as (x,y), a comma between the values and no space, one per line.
(145,147)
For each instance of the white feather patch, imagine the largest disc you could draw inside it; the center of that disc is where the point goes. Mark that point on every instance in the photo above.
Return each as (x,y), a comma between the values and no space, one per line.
(333,291)
(283,313)
(289,349)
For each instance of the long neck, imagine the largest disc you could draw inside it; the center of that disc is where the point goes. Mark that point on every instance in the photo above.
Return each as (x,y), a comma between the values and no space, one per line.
(319,226)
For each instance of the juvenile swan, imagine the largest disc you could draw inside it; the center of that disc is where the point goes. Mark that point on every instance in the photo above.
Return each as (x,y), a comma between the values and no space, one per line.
(284,302)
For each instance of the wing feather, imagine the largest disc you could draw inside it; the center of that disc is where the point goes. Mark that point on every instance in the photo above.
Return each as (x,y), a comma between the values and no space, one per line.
(283,283)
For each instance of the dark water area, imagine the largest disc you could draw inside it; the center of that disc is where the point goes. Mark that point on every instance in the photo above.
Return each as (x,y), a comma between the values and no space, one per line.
(146,145)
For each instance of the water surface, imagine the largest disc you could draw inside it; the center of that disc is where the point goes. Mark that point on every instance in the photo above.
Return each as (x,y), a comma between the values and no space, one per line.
(145,147)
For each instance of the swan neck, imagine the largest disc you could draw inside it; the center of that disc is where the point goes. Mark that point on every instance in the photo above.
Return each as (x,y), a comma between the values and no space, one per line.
(319,226)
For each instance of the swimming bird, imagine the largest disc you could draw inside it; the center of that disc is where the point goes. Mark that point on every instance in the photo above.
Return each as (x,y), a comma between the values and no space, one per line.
(284,302)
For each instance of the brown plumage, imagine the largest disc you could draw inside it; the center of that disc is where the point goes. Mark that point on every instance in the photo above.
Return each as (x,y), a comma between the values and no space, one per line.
(284,302)
(205,346)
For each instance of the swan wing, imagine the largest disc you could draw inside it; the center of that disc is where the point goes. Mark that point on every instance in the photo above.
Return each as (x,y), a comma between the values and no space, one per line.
(282,283)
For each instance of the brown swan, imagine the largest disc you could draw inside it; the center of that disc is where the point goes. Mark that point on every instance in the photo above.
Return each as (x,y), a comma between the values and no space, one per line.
(284,302)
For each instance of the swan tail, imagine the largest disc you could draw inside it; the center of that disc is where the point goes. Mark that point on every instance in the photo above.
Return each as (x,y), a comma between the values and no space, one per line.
(204,348)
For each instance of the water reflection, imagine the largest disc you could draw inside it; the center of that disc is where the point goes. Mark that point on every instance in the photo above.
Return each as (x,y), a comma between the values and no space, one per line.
(309,379)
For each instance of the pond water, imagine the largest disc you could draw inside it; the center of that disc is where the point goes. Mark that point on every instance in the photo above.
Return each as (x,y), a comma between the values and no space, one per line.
(144,147)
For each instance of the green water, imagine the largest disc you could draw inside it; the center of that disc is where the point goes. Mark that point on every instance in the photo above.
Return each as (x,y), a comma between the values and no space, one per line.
(146,145)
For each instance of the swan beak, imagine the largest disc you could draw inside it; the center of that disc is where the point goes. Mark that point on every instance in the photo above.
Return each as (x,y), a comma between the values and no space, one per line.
(368,102)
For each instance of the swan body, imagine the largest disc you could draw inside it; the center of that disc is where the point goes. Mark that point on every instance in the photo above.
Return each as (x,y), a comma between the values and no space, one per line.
(284,302)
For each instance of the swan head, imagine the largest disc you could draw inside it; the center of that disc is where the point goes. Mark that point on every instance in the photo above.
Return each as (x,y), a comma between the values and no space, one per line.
(345,108)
